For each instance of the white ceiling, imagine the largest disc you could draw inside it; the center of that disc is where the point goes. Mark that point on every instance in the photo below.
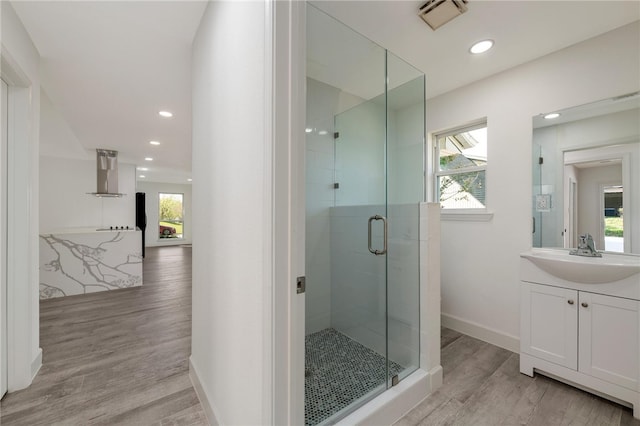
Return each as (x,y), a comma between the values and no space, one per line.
(108,67)
(522,31)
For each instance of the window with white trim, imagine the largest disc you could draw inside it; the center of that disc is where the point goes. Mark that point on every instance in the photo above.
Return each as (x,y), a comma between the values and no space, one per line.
(461,165)
(170,215)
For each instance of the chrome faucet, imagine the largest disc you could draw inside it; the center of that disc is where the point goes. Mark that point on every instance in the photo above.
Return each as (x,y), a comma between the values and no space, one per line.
(586,247)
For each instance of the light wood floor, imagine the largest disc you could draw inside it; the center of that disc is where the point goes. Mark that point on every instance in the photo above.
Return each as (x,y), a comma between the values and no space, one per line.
(120,358)
(483,387)
(117,357)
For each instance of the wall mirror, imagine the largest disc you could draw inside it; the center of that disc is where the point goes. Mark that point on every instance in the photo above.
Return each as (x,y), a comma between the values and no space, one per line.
(586,175)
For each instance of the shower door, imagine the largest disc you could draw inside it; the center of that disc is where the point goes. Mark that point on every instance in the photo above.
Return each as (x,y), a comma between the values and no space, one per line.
(375,226)
(364,182)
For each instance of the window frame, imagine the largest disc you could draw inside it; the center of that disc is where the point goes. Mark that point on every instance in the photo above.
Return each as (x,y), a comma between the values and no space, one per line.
(464,213)
(164,239)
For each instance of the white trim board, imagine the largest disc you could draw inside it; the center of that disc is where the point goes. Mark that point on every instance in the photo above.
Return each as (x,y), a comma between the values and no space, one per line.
(486,334)
(202,395)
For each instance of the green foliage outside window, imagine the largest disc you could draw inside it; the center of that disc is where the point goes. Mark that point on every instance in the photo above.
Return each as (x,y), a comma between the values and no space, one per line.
(171,207)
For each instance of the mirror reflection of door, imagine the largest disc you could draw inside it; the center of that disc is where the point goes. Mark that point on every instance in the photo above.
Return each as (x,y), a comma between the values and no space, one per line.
(613,219)
(571,214)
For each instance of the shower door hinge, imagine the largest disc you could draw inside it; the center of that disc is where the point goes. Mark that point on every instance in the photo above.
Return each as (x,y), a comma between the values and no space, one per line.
(300,285)
(336,185)
(540,160)
(395,380)
(336,135)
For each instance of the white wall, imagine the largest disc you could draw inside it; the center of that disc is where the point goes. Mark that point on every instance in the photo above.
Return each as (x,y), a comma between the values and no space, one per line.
(64,202)
(231,344)
(20,61)
(56,137)
(480,273)
(152,189)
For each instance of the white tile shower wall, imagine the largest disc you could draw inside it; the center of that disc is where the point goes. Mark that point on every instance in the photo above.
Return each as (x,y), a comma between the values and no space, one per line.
(360,154)
(323,103)
(403,277)
(358,290)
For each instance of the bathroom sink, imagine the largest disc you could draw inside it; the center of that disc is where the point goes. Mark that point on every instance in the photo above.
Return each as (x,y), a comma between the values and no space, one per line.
(588,270)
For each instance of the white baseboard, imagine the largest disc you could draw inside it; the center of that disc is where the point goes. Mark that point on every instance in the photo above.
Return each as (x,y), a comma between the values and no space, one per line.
(436,378)
(486,334)
(36,364)
(202,396)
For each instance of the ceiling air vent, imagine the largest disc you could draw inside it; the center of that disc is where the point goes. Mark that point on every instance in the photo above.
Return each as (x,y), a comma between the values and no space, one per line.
(436,13)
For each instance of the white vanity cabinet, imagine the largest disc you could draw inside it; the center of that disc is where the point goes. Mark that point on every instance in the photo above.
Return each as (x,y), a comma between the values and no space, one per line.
(592,333)
(585,334)
(608,339)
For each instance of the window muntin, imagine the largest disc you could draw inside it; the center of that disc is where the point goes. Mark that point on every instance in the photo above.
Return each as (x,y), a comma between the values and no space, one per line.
(170,216)
(461,163)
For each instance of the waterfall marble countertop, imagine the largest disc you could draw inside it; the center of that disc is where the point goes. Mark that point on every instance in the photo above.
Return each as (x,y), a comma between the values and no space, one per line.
(86,260)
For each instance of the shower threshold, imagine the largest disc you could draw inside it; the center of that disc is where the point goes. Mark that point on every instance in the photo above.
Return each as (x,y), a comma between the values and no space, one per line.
(340,372)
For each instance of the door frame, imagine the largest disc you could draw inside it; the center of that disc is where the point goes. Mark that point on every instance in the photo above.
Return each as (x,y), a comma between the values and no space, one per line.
(286,27)
(24,357)
(4,368)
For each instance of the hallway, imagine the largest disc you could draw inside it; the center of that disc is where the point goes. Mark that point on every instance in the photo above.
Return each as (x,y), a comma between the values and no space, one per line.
(118,357)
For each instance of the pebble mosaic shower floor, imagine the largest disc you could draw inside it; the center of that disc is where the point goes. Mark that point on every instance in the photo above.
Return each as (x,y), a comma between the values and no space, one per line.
(338,371)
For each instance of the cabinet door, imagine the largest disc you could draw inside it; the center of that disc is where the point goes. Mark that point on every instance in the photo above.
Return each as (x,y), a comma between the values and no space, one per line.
(549,323)
(609,339)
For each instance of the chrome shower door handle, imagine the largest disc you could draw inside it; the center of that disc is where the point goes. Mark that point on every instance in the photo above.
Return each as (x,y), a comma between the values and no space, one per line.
(384,222)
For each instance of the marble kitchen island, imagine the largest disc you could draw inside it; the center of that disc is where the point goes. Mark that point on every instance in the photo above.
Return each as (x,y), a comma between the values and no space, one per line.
(88,260)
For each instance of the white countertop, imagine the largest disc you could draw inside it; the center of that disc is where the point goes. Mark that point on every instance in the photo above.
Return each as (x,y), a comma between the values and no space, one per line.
(88,230)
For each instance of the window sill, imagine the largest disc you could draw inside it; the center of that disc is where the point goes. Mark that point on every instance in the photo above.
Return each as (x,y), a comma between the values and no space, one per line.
(466,215)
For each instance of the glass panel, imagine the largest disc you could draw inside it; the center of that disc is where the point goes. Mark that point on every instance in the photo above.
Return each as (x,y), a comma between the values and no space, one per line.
(464,149)
(345,348)
(536,226)
(462,190)
(405,190)
(170,216)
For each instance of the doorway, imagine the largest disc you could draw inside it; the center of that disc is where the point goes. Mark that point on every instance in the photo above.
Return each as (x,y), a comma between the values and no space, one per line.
(613,217)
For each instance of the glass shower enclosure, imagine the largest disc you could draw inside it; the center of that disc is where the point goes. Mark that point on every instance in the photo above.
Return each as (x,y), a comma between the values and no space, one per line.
(364,182)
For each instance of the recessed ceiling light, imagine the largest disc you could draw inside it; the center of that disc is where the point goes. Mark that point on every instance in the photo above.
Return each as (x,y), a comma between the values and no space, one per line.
(481,46)
(189,180)
(143,169)
(165,114)
(142,176)
(148,159)
(322,132)
(552,116)
(308,130)
(154,142)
